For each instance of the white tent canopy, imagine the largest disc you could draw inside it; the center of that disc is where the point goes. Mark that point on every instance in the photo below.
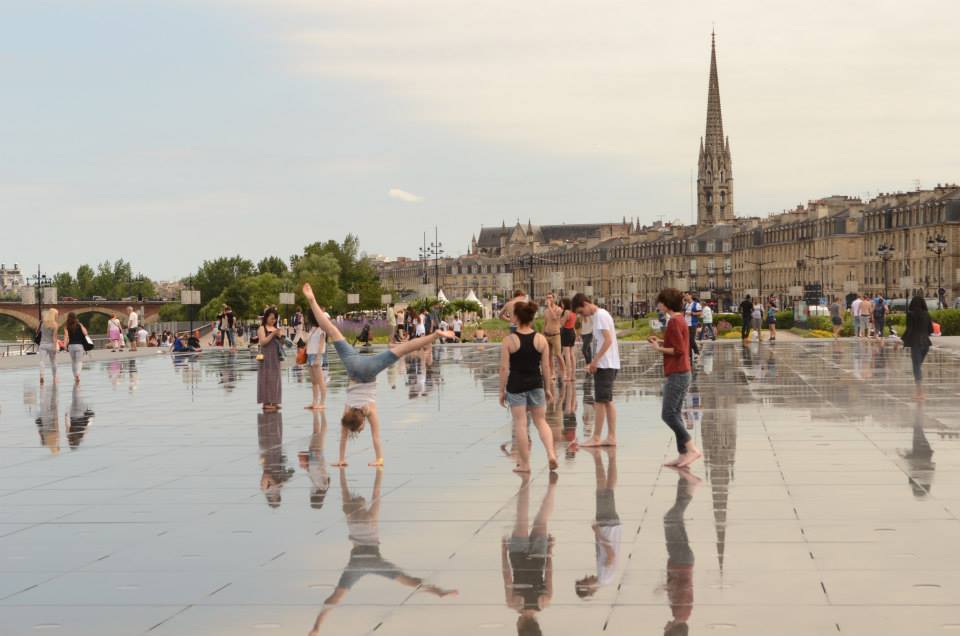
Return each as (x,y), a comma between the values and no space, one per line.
(472,297)
(441,297)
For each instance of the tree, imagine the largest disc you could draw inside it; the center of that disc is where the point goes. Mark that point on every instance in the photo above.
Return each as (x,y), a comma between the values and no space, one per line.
(65,284)
(273,265)
(84,279)
(247,297)
(357,274)
(213,277)
(323,273)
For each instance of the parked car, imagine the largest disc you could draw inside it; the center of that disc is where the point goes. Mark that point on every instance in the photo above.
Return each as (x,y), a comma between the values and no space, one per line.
(68,299)
(98,298)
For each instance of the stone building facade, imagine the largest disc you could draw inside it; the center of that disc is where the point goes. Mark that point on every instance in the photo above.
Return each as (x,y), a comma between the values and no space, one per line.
(827,248)
(11,278)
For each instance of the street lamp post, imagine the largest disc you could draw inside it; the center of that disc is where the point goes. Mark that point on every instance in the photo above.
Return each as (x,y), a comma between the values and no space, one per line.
(39,282)
(885,251)
(820,260)
(938,245)
(434,251)
(759,265)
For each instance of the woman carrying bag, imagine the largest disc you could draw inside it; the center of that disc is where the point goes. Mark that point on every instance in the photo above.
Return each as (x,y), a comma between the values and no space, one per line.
(78,343)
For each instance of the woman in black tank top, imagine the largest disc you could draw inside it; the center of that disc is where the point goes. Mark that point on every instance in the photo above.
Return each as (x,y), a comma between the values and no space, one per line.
(526,383)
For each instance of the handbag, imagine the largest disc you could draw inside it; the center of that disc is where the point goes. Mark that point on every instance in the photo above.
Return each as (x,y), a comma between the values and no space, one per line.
(36,337)
(301,355)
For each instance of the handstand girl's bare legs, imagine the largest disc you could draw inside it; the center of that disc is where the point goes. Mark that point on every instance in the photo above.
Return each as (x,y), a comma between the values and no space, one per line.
(333,334)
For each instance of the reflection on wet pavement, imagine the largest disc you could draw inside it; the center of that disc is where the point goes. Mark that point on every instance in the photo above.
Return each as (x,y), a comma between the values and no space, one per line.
(156,498)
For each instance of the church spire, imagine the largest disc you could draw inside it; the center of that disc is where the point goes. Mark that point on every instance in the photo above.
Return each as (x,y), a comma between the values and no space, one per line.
(714,135)
(714,167)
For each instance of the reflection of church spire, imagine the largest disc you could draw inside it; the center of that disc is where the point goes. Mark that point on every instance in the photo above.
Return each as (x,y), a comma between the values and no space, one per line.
(719,430)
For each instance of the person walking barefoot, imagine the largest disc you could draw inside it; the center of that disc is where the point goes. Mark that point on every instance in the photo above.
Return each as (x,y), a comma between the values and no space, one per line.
(676,367)
(526,383)
(604,365)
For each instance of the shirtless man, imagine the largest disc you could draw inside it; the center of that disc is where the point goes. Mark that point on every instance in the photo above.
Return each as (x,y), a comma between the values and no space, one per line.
(507,312)
(552,313)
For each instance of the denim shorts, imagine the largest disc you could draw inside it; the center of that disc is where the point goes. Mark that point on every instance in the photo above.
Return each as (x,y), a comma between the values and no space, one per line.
(313,359)
(363,369)
(531,399)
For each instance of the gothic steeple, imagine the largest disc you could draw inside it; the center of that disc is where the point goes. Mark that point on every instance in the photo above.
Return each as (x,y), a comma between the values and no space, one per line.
(715,170)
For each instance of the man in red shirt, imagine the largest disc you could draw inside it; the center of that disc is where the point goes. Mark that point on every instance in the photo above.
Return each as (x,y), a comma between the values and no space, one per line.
(675,348)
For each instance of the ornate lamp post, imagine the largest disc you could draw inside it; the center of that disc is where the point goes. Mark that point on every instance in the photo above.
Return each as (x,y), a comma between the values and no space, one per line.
(39,282)
(434,250)
(938,245)
(885,251)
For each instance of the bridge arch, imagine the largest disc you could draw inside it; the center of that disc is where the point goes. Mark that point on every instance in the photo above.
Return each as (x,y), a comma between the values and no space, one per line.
(27,318)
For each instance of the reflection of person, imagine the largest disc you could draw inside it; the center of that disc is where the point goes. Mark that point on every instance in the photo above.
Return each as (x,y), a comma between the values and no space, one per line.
(526,559)
(680,557)
(48,424)
(607,529)
(919,458)
(314,463)
(274,462)
(363,527)
(77,419)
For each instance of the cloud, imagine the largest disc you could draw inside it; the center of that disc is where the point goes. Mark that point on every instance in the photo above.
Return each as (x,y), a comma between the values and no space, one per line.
(403,195)
(813,90)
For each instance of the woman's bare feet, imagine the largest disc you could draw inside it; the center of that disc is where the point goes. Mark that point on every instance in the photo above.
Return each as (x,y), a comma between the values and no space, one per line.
(339,464)
(378,463)
(314,407)
(520,470)
(593,441)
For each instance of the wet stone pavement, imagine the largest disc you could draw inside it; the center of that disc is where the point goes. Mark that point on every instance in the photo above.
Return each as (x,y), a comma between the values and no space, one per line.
(155,498)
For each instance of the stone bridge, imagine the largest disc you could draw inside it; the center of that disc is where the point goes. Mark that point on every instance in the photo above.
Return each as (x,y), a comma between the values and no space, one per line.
(149,310)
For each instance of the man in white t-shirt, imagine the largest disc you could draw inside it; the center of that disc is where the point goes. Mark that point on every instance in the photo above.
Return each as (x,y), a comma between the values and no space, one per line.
(142,336)
(855,311)
(458,328)
(133,326)
(604,367)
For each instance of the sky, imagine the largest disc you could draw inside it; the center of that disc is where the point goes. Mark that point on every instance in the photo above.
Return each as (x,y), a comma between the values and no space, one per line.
(166,133)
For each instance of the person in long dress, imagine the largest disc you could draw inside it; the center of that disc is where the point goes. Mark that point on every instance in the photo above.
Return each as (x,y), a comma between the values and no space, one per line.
(269,387)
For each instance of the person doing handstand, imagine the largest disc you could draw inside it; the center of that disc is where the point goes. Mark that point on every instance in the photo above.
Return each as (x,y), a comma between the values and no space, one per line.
(361,403)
